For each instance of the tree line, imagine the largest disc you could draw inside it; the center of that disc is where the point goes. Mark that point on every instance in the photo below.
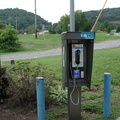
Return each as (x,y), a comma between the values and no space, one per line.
(108,14)
(24,21)
(85,20)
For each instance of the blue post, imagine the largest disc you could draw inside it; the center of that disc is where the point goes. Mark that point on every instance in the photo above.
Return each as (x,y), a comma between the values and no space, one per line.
(107,94)
(40,98)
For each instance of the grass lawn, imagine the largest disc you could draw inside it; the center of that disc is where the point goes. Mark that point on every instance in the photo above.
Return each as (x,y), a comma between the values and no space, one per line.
(107,60)
(103,36)
(51,41)
(43,42)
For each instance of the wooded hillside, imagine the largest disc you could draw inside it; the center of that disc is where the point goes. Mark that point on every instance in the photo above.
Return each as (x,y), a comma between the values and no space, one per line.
(21,19)
(110,14)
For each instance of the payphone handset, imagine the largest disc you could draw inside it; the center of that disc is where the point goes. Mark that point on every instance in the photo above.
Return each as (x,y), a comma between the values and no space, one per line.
(77,57)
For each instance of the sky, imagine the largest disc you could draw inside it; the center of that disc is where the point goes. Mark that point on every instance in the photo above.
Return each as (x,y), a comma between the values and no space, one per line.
(52,10)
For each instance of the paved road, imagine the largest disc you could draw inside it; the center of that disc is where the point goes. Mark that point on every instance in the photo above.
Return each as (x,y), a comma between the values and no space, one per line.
(28,55)
(118,118)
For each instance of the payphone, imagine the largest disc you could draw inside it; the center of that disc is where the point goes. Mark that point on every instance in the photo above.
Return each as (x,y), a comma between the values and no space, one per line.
(77,55)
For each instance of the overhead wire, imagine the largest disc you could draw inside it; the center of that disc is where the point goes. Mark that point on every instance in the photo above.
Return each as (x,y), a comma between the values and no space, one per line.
(103,17)
(98,16)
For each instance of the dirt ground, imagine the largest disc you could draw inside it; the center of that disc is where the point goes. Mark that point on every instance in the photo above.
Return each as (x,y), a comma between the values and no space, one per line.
(16,114)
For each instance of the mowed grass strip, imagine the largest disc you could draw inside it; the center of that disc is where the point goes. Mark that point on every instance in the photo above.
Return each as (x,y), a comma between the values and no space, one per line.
(53,41)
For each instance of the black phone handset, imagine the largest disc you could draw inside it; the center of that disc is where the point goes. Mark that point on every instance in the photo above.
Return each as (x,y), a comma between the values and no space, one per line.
(77,57)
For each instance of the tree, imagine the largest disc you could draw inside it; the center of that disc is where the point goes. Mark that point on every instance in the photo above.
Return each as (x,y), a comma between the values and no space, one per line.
(81,22)
(2,26)
(9,39)
(64,21)
(107,26)
(55,28)
(118,29)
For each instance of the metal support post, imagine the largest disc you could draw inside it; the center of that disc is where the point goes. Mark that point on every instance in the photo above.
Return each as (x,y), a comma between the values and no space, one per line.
(72,16)
(107,94)
(74,111)
(40,98)
(0,68)
(35,21)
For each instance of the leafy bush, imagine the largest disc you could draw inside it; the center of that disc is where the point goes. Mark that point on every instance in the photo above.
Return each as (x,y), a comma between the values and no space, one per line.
(8,39)
(2,71)
(22,84)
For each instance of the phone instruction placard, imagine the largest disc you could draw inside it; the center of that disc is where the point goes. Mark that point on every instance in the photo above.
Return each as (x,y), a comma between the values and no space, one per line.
(76,47)
(76,73)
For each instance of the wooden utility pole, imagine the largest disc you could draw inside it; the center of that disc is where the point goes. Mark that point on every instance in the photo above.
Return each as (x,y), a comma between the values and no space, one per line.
(35,22)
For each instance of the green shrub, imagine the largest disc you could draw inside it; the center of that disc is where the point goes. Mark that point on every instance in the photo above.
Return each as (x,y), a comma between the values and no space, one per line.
(2,71)
(22,84)
(8,39)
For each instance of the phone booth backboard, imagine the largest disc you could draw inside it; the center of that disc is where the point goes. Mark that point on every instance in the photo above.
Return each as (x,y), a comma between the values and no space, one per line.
(77,57)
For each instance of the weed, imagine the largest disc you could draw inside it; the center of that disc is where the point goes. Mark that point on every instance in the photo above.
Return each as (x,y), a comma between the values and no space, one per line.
(58,95)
